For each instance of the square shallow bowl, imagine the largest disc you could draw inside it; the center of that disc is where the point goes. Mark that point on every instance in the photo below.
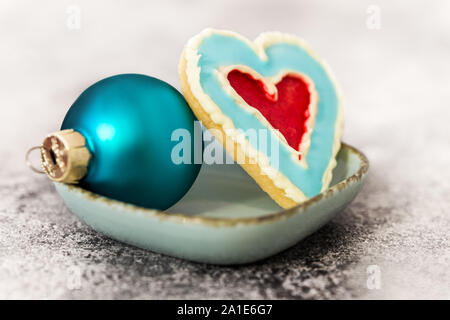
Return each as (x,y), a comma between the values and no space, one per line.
(225,218)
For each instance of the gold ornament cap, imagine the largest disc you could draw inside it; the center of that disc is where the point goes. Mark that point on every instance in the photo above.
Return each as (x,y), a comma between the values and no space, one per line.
(64,156)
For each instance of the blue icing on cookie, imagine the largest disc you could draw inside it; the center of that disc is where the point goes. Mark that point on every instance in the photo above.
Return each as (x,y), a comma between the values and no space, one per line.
(220,51)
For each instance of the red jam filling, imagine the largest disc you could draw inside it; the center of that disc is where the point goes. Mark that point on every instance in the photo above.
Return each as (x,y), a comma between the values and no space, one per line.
(287,112)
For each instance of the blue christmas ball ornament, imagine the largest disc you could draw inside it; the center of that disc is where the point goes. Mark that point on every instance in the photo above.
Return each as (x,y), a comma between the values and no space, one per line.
(132,125)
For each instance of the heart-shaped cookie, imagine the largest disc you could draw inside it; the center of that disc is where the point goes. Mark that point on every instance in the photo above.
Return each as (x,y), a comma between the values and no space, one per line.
(275,89)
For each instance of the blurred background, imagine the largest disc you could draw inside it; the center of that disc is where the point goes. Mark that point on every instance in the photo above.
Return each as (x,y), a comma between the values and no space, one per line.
(392,60)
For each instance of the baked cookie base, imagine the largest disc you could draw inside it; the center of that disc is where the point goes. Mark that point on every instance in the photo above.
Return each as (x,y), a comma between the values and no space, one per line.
(233,148)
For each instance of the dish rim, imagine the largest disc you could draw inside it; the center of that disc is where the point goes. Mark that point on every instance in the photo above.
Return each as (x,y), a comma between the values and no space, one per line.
(220,221)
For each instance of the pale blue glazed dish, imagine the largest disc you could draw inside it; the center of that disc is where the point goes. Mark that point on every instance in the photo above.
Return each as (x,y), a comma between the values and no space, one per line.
(225,218)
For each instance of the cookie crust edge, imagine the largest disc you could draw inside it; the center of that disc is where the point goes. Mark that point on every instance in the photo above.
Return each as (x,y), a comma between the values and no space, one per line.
(254,170)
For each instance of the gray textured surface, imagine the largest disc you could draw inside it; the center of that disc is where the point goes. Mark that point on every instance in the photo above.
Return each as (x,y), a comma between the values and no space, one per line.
(396,83)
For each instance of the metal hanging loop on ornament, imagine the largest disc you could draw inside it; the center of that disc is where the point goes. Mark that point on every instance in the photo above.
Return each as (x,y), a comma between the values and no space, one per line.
(28,162)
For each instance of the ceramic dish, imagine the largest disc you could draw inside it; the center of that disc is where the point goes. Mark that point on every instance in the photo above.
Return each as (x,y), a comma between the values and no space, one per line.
(225,218)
